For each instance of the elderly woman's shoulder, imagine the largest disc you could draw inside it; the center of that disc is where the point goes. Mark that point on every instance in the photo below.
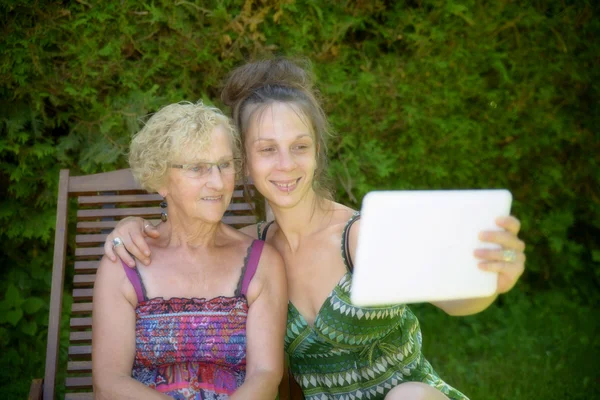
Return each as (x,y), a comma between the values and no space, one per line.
(248,235)
(112,268)
(111,279)
(243,235)
(250,230)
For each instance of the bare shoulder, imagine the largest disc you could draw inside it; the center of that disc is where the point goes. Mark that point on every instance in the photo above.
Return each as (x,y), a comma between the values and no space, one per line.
(110,271)
(250,230)
(271,258)
(111,279)
(270,276)
(341,214)
(240,236)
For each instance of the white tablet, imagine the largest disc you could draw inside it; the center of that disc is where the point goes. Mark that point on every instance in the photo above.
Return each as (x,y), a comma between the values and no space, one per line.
(417,246)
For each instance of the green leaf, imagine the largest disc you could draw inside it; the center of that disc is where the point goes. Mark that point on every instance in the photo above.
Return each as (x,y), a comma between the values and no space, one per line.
(13,297)
(29,328)
(32,305)
(4,307)
(596,255)
(4,336)
(14,316)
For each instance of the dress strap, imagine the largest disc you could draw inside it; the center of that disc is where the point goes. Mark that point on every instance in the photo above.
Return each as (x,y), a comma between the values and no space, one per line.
(345,242)
(263,235)
(136,280)
(250,267)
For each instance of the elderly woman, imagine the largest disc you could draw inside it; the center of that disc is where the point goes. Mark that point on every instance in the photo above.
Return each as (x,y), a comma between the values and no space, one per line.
(206,319)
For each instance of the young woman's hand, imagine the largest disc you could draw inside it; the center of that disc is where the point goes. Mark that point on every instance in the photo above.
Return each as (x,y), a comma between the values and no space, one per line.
(509,260)
(129,239)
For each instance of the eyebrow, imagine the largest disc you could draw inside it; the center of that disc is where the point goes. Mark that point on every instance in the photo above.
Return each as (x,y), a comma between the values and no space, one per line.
(270,139)
(225,158)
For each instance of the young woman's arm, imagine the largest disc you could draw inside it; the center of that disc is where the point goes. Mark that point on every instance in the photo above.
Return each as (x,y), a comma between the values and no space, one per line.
(509,272)
(133,231)
(113,337)
(265,329)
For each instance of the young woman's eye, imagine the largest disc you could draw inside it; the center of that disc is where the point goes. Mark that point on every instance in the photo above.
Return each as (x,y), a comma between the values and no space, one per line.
(301,147)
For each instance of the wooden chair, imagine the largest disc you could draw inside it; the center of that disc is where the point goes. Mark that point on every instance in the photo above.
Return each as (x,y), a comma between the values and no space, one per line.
(103,199)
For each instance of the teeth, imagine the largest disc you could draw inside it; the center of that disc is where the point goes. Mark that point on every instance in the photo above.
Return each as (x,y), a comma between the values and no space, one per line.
(212,198)
(286,185)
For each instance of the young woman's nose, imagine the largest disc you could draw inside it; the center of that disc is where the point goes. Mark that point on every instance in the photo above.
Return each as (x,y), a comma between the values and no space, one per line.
(286,161)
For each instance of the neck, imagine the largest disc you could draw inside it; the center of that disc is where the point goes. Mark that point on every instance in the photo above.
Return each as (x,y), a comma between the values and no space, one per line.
(188,232)
(301,220)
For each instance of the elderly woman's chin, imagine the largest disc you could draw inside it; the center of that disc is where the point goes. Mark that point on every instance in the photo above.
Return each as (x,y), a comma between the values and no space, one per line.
(211,209)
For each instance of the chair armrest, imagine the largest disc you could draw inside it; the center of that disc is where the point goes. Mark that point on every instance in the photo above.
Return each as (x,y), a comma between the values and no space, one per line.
(35,390)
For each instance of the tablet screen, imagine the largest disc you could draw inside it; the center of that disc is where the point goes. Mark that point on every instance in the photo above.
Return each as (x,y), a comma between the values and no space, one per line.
(417,246)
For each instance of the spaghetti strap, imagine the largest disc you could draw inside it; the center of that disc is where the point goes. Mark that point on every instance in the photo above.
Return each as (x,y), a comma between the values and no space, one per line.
(345,242)
(251,265)
(263,236)
(134,277)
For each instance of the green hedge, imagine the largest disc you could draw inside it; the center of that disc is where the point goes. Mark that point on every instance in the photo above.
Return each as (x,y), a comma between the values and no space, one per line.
(423,94)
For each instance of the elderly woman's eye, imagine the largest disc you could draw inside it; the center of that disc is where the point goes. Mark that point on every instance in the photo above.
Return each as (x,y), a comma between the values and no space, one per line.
(226,165)
(198,169)
(267,149)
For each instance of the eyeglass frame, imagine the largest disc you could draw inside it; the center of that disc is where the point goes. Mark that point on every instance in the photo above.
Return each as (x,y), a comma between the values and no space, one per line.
(211,165)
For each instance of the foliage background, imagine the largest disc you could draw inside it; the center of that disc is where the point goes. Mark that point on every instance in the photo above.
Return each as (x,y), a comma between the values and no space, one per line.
(423,93)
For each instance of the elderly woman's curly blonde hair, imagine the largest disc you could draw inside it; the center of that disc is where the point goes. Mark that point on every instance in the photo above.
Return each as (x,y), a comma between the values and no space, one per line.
(175,131)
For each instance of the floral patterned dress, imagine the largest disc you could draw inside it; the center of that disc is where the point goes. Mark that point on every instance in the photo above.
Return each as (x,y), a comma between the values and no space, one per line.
(191,348)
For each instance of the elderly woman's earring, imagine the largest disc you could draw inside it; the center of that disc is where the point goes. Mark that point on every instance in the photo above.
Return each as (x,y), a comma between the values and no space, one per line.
(163,214)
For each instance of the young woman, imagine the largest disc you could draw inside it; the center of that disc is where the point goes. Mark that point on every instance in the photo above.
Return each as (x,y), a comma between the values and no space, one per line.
(336,350)
(190,326)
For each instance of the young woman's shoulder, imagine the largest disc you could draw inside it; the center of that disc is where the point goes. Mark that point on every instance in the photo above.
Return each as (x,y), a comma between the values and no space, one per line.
(341,214)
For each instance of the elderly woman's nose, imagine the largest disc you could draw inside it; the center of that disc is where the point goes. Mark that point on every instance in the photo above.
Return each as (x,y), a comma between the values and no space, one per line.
(215,179)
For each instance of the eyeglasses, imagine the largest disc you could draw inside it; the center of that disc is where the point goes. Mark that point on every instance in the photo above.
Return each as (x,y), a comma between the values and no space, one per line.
(201,169)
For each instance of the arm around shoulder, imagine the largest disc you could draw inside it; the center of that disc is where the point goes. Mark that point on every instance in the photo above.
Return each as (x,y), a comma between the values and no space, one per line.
(265,328)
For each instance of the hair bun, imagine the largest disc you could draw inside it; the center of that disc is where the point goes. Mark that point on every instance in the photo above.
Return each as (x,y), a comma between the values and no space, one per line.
(244,80)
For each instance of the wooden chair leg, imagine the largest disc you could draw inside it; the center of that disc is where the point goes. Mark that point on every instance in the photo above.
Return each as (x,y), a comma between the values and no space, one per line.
(284,386)
(35,390)
(295,390)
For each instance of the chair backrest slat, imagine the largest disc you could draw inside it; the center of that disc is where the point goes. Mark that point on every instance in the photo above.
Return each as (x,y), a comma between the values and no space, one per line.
(78,337)
(80,366)
(79,396)
(85,266)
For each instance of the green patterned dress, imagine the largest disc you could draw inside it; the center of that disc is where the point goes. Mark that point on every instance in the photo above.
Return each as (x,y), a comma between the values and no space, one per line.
(357,352)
